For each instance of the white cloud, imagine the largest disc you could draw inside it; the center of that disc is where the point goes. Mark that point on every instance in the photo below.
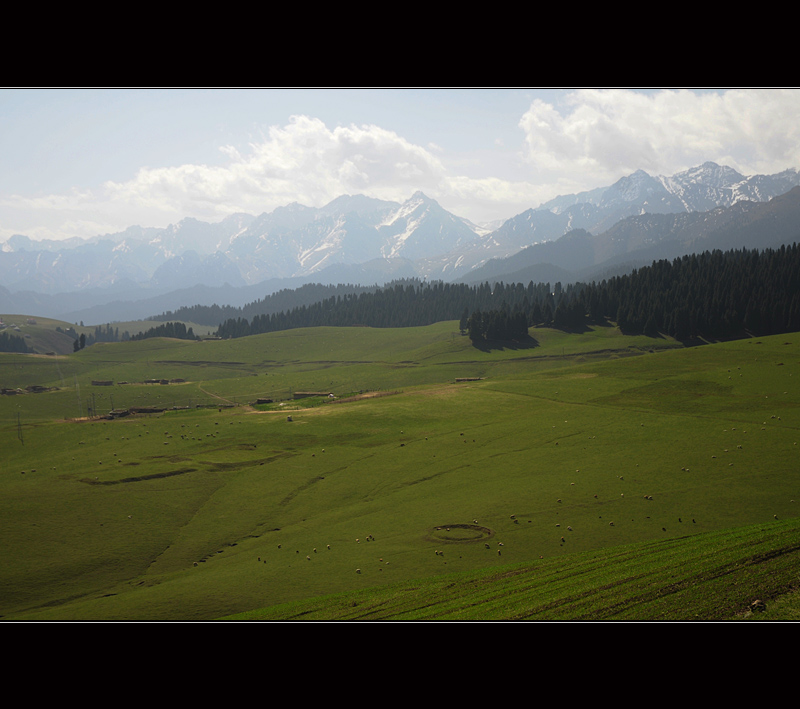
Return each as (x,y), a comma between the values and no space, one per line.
(304,161)
(602,135)
(589,139)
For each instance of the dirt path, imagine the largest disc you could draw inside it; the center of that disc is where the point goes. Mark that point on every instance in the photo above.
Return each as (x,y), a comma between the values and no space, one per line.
(217,396)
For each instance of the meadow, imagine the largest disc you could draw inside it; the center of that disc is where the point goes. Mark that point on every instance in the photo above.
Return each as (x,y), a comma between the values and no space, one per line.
(436,463)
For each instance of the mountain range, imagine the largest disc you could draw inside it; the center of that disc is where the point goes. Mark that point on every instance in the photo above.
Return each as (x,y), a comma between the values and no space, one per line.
(356,239)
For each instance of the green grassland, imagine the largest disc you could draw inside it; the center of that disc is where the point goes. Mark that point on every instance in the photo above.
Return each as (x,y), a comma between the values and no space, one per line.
(558,465)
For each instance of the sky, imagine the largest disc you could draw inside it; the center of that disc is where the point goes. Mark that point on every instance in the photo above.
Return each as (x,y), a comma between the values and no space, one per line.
(84,162)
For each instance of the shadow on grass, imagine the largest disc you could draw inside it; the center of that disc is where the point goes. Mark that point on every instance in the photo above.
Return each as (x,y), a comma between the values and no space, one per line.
(528,343)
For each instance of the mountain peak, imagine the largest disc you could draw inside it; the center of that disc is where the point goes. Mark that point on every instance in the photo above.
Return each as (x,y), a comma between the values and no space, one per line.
(711,173)
(360,204)
(419,197)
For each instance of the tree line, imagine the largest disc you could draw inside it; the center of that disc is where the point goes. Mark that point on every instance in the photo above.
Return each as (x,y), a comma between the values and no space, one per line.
(283,299)
(13,343)
(714,295)
(177,330)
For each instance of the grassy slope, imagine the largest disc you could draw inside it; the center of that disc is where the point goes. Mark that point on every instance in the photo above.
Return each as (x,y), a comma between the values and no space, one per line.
(711,576)
(117,514)
(43,337)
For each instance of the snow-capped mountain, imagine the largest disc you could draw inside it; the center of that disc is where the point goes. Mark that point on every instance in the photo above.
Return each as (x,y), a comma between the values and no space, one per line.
(288,242)
(356,237)
(695,190)
(420,228)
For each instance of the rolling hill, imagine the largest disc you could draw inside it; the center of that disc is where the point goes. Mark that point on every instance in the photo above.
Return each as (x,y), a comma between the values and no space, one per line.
(553,454)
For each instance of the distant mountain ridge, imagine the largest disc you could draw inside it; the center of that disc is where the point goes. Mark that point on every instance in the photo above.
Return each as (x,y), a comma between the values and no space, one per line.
(699,189)
(291,241)
(363,240)
(640,240)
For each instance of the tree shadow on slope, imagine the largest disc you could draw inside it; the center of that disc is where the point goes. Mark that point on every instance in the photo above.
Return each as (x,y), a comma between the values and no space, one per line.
(527,343)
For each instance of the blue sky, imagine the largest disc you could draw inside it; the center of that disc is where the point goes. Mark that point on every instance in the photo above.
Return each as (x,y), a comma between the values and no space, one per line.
(81,162)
